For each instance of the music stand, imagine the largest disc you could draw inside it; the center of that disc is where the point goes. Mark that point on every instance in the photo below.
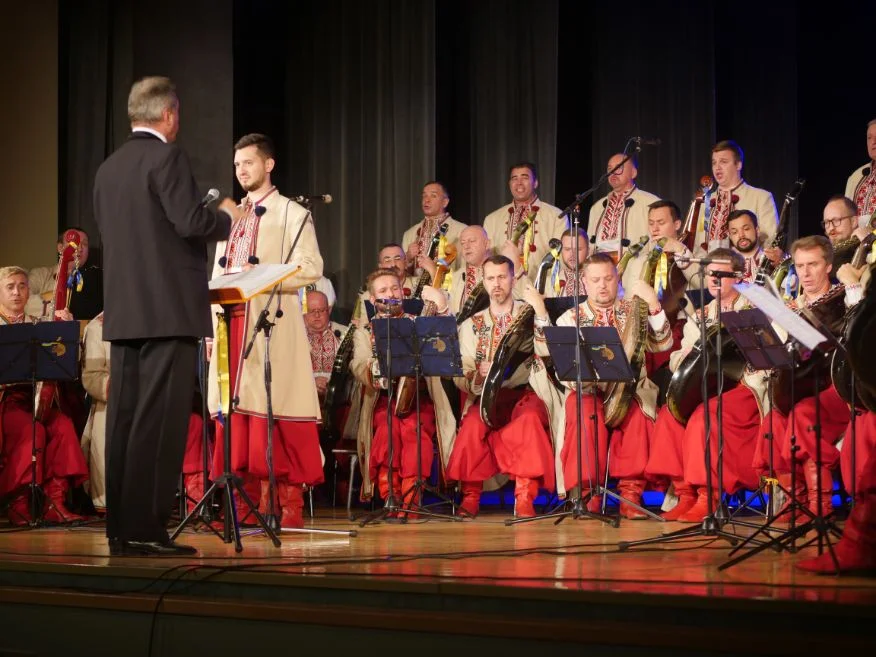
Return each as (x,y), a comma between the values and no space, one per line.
(32,353)
(603,361)
(427,346)
(803,335)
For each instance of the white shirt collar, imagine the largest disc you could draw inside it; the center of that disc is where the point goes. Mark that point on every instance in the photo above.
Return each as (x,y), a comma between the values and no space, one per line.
(141,128)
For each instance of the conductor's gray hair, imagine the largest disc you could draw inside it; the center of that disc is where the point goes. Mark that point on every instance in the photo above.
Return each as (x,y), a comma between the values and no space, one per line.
(150,98)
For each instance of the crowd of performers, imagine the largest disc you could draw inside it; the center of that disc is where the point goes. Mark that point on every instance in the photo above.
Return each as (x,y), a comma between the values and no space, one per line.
(629,261)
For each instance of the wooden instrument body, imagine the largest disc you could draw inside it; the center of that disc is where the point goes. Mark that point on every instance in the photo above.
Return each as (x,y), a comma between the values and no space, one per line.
(434,246)
(689,229)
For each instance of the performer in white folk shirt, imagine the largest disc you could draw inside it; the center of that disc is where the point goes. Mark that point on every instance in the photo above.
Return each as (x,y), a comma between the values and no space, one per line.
(742,232)
(561,281)
(418,238)
(861,185)
(733,193)
(623,212)
(261,240)
(501,224)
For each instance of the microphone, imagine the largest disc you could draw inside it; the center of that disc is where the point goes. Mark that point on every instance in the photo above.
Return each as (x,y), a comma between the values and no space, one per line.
(647,141)
(389,302)
(322,198)
(211,195)
(260,210)
(865,171)
(703,261)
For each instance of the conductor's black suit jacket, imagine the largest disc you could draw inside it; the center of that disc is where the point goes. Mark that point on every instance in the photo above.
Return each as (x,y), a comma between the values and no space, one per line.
(154,233)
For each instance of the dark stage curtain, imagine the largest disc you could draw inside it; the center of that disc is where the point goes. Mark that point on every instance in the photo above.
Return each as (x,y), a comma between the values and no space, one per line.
(108,44)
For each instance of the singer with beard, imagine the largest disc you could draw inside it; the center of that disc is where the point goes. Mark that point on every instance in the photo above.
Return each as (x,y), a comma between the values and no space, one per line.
(623,211)
(861,185)
(733,193)
(265,235)
(742,232)
(678,452)
(154,229)
(386,294)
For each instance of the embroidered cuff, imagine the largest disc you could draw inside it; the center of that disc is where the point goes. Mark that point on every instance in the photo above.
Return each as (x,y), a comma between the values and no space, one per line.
(657,321)
(854,294)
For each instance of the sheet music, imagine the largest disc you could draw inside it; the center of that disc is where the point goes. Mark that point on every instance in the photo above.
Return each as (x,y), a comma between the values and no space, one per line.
(254,281)
(778,312)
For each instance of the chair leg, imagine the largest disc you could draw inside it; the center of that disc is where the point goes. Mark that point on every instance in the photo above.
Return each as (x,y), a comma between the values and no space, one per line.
(354,460)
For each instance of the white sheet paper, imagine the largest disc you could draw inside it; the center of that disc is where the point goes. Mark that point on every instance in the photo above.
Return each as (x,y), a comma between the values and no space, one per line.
(255,281)
(780,314)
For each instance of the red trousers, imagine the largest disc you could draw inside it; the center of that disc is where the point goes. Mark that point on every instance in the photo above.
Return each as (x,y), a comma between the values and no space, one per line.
(629,443)
(666,457)
(834,417)
(522,448)
(404,440)
(297,457)
(741,426)
(774,438)
(56,440)
(864,447)
(193,461)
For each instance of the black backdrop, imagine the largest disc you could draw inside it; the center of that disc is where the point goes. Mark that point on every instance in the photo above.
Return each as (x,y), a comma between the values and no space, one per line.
(367,101)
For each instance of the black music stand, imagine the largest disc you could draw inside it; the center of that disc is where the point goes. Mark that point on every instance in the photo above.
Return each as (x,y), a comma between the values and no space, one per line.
(32,353)
(764,351)
(426,346)
(812,336)
(603,360)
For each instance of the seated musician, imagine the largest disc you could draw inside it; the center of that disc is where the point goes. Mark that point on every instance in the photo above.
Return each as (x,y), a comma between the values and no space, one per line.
(623,212)
(418,238)
(562,281)
(631,435)
(95,378)
(474,244)
(520,449)
(60,463)
(678,451)
(86,301)
(386,293)
(840,223)
(511,220)
(813,258)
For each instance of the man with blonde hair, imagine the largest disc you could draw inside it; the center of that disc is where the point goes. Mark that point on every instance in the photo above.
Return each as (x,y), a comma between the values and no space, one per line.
(154,228)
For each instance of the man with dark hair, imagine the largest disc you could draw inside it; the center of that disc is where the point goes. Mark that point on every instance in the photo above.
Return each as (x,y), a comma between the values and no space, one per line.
(418,238)
(623,212)
(742,233)
(522,448)
(150,214)
(391,256)
(861,185)
(538,222)
(733,193)
(265,235)
(629,438)
(564,278)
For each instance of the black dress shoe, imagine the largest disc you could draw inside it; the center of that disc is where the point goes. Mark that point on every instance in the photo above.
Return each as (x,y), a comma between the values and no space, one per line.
(157,549)
(116,548)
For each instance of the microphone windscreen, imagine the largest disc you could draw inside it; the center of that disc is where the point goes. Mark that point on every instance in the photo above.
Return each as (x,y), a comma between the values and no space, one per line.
(223,261)
(629,202)
(625,242)
(605,203)
(865,171)
(260,210)
(593,239)
(253,260)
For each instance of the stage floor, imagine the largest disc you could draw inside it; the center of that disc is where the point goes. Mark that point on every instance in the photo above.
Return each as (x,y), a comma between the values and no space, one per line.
(576,555)
(448,584)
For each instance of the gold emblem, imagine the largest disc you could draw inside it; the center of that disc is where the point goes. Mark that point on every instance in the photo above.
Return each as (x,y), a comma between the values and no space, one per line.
(57,347)
(440,345)
(606,353)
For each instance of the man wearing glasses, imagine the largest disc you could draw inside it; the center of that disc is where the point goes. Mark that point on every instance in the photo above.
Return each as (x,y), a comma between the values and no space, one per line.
(841,227)
(391,256)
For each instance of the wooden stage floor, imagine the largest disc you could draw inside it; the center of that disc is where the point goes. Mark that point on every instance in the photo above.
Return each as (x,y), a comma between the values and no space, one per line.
(454,563)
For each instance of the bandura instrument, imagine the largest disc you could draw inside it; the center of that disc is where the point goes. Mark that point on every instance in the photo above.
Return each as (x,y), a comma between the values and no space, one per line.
(335,390)
(767,269)
(547,264)
(434,248)
(513,350)
(689,229)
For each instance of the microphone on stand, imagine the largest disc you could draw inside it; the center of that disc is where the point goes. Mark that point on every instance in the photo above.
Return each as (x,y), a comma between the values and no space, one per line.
(321,198)
(703,261)
(211,195)
(647,141)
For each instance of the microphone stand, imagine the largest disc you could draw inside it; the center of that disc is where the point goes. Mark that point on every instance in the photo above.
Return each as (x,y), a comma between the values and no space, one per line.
(713,523)
(265,326)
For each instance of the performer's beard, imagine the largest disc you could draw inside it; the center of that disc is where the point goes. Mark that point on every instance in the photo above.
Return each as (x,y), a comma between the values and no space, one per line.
(746,246)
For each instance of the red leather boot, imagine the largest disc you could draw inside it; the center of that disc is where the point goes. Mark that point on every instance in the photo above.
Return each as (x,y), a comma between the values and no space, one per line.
(56,501)
(825,491)
(525,492)
(291,504)
(700,508)
(19,510)
(686,499)
(856,550)
(632,490)
(471,498)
